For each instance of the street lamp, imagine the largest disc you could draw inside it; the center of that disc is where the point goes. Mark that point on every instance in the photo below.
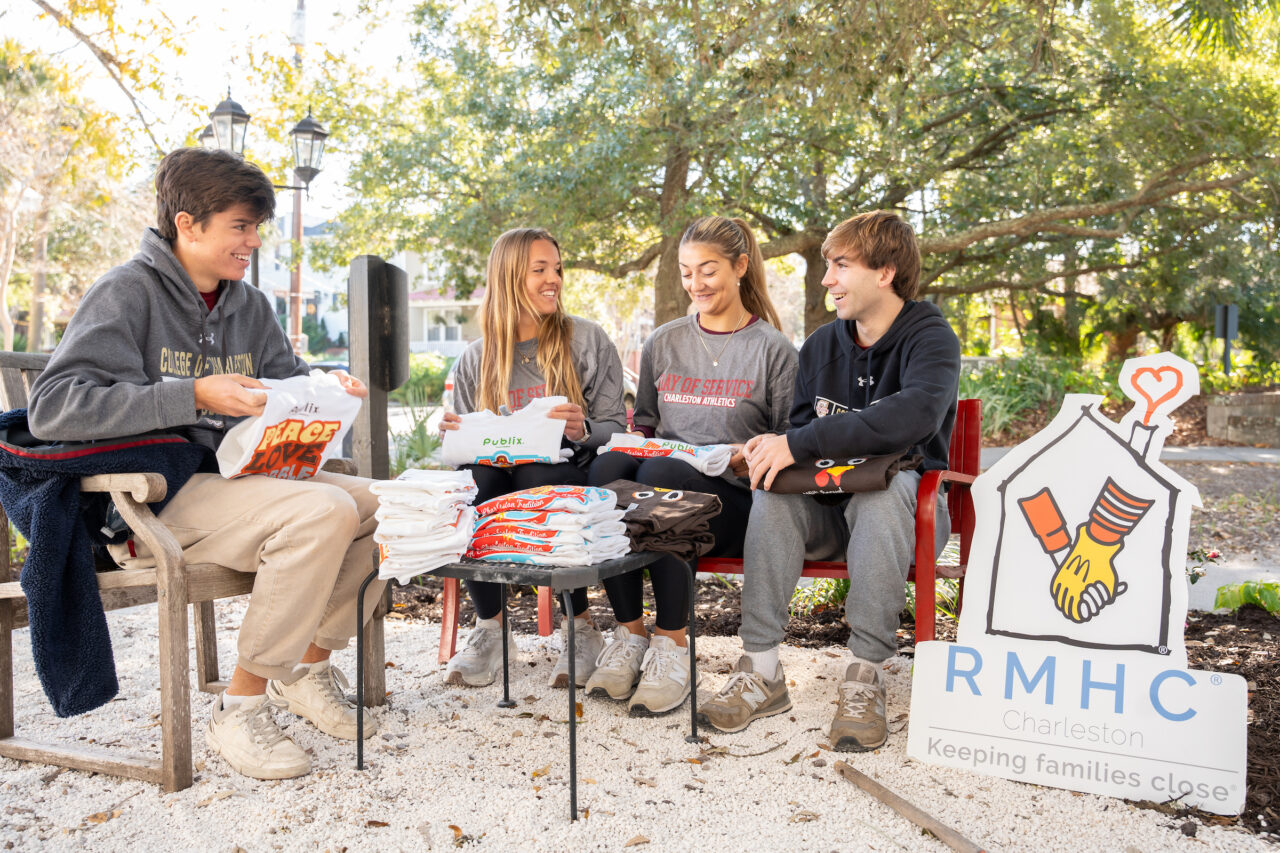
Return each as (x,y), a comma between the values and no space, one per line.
(227,131)
(229,124)
(308,147)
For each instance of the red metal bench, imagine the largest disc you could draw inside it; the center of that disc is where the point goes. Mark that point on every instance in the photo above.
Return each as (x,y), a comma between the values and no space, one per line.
(964,460)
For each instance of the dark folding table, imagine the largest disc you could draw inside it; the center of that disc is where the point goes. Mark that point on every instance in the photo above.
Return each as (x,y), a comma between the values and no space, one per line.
(562,579)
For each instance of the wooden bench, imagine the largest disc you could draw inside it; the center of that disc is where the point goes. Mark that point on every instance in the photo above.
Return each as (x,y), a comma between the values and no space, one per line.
(173,584)
(964,461)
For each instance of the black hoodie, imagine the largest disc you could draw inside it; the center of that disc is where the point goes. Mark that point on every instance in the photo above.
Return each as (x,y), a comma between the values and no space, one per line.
(897,394)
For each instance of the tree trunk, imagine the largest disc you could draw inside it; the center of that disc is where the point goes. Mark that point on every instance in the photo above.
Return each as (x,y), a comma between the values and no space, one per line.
(815,295)
(39,283)
(1121,343)
(669,300)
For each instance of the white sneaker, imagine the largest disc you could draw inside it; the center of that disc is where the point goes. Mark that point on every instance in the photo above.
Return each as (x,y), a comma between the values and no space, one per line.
(247,736)
(319,697)
(618,666)
(480,660)
(588,642)
(664,685)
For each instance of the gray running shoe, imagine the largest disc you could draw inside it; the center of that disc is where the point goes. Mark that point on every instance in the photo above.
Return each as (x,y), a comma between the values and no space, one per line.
(746,696)
(859,724)
(618,666)
(588,643)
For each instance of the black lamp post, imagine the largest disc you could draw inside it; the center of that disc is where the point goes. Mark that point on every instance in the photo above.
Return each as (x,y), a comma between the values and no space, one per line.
(229,122)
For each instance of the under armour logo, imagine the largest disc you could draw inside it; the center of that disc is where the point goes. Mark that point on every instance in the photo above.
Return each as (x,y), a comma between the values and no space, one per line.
(866,380)
(207,337)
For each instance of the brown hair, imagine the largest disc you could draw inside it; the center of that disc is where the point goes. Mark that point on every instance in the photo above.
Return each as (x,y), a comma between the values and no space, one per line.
(879,239)
(733,239)
(505,297)
(206,181)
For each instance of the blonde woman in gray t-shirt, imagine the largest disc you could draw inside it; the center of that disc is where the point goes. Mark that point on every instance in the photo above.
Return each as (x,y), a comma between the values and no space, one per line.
(531,348)
(719,376)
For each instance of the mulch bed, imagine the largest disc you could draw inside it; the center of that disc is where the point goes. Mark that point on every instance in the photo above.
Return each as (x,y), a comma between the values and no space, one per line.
(1242,643)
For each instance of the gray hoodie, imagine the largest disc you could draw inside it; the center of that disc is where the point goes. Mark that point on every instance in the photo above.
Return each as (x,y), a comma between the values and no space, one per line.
(139,340)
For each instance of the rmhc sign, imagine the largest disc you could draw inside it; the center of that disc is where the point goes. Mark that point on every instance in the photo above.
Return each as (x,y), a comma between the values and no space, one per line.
(1070,668)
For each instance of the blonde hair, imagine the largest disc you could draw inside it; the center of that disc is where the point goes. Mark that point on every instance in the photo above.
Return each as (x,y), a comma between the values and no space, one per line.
(733,239)
(506,296)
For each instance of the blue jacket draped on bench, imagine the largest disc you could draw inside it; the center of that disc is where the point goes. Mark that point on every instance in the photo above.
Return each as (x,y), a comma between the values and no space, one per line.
(40,491)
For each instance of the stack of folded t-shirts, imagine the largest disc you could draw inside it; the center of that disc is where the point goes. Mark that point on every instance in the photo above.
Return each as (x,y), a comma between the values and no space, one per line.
(710,459)
(550,526)
(671,521)
(424,521)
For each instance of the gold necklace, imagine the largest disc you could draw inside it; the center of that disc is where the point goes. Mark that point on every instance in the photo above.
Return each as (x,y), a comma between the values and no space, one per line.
(715,359)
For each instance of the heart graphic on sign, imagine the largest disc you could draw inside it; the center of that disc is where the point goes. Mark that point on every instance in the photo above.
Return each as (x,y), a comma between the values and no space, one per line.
(1156,385)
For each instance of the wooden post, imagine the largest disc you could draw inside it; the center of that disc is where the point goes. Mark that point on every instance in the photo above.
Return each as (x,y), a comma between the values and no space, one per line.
(913,813)
(378,337)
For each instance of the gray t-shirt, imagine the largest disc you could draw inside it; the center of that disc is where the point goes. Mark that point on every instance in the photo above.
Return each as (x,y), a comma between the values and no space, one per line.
(683,395)
(599,370)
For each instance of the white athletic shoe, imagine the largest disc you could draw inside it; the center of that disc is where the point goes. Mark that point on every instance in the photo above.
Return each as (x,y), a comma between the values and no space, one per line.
(618,666)
(664,684)
(480,660)
(247,736)
(319,697)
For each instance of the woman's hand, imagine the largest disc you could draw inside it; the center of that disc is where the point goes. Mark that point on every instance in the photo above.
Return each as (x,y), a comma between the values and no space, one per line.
(738,462)
(575,420)
(450,420)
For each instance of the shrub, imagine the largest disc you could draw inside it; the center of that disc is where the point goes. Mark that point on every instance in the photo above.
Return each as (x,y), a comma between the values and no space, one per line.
(427,372)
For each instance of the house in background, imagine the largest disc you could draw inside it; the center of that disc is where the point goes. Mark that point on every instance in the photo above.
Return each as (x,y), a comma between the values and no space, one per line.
(438,322)
(324,294)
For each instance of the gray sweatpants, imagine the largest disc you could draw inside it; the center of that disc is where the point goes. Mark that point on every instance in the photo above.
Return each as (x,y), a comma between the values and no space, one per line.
(875,531)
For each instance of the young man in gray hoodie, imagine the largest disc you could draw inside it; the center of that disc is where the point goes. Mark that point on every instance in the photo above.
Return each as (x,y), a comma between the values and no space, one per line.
(879,379)
(176,340)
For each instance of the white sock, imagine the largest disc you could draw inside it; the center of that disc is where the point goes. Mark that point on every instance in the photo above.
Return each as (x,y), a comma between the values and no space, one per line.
(766,663)
(230,700)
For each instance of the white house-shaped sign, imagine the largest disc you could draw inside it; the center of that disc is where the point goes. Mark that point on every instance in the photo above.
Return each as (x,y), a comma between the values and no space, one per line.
(1069,667)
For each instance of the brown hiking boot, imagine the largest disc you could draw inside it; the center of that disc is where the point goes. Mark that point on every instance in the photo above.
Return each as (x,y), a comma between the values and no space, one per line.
(859,724)
(746,696)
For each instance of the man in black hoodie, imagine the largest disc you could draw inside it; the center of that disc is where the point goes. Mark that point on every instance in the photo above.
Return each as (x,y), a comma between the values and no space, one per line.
(880,379)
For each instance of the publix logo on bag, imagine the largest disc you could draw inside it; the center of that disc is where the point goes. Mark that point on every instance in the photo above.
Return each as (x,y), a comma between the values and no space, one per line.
(508,441)
(1070,668)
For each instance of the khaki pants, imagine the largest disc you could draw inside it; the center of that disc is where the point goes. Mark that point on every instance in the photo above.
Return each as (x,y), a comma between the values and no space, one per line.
(310,542)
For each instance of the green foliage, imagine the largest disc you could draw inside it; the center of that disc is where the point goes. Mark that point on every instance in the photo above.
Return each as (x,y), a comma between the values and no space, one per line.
(427,372)
(1013,386)
(317,332)
(419,447)
(820,595)
(946,596)
(1265,594)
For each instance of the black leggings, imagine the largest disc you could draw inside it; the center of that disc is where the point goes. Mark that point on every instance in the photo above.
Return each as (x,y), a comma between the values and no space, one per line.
(669,575)
(486,597)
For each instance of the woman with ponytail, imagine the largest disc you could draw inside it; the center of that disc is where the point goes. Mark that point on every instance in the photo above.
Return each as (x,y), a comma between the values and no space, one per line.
(719,376)
(531,348)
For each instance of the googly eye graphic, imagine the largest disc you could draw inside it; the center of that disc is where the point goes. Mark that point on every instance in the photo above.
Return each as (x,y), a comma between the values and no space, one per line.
(825,463)
(642,495)
(673,496)
(857,461)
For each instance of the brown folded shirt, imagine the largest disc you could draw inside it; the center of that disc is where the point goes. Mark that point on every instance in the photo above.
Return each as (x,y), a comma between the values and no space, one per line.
(671,521)
(843,476)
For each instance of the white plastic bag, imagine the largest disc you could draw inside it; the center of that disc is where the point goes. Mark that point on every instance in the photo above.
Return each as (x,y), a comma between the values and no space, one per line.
(527,435)
(303,424)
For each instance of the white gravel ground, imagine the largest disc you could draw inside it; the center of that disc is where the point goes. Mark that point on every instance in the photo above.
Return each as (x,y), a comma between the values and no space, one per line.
(450,768)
